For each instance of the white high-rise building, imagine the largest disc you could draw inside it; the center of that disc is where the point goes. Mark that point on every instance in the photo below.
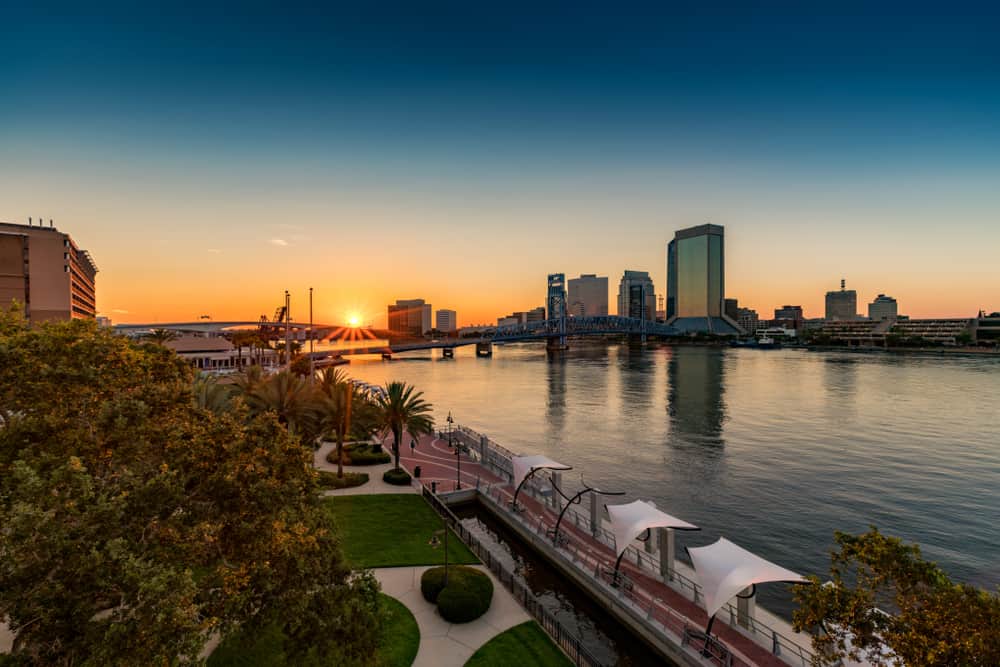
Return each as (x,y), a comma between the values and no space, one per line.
(636,297)
(588,295)
(447,320)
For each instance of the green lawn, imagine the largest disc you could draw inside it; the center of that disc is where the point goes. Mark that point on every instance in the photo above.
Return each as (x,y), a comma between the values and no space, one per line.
(524,645)
(398,648)
(392,530)
(401,637)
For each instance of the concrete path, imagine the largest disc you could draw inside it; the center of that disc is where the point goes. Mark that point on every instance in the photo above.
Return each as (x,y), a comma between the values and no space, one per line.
(444,644)
(372,486)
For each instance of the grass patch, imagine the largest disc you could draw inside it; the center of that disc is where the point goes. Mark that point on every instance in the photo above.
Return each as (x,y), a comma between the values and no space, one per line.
(329,480)
(392,530)
(524,645)
(397,646)
(400,636)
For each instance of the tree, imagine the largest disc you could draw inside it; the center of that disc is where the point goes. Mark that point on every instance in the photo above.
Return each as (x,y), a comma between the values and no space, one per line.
(210,395)
(400,409)
(160,336)
(336,394)
(134,524)
(290,398)
(933,621)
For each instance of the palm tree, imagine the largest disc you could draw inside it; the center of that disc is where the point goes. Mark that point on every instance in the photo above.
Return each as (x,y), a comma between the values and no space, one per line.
(210,395)
(335,397)
(160,336)
(250,379)
(288,396)
(400,409)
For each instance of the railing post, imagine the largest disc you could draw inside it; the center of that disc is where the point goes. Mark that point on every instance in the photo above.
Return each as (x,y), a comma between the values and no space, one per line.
(595,521)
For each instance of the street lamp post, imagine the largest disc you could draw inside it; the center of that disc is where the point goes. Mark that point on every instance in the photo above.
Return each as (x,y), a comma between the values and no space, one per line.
(458,453)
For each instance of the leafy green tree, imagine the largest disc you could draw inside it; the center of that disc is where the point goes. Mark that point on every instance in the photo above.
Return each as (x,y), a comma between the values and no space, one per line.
(931,620)
(135,524)
(400,409)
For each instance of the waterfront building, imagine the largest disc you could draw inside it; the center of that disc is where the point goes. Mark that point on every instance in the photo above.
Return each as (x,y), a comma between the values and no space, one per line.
(103,322)
(732,309)
(789,313)
(696,281)
(447,321)
(883,308)
(216,353)
(410,316)
(588,295)
(556,295)
(842,306)
(987,328)
(522,317)
(636,297)
(747,319)
(45,271)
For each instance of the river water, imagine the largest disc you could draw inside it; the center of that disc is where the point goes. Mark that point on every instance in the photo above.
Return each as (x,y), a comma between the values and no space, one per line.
(774,449)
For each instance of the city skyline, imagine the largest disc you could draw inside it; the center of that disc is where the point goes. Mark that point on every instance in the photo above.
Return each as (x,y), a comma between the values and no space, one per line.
(353,154)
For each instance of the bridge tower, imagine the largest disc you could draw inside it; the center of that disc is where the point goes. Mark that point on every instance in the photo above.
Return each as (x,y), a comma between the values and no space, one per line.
(557,308)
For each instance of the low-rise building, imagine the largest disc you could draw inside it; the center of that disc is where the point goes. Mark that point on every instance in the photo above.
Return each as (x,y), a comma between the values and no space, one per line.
(214,353)
(883,308)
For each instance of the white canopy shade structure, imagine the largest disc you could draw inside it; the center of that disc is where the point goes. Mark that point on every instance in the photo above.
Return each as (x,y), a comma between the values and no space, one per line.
(526,466)
(631,520)
(723,569)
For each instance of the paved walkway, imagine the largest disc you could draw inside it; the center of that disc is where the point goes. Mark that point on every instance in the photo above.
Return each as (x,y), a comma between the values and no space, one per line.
(443,644)
(372,486)
(668,606)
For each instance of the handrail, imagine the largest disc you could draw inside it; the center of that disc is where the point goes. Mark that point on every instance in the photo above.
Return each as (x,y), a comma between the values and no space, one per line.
(757,630)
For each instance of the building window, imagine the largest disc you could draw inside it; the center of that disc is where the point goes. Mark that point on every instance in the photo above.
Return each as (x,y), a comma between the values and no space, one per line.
(65,268)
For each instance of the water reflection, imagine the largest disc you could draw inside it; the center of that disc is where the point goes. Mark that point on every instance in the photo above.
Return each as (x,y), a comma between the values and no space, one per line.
(555,406)
(695,398)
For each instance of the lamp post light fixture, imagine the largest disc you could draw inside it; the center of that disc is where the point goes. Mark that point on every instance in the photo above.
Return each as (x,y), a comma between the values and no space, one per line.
(450,422)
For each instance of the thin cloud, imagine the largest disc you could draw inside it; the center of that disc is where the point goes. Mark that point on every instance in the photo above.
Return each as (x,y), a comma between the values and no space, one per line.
(278,242)
(120,311)
(215,251)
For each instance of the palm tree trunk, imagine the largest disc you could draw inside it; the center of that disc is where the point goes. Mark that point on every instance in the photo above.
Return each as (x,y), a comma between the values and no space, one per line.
(340,454)
(397,435)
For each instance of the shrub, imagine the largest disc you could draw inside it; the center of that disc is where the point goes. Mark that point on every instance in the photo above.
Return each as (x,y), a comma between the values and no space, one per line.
(329,480)
(466,597)
(398,477)
(359,455)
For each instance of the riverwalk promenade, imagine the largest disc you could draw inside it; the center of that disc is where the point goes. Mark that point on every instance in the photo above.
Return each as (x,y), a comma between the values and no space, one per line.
(664,606)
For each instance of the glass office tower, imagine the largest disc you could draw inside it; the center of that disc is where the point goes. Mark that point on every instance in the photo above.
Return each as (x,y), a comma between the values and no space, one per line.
(696,283)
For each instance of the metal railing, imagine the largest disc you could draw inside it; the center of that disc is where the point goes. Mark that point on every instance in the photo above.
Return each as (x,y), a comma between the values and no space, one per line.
(563,637)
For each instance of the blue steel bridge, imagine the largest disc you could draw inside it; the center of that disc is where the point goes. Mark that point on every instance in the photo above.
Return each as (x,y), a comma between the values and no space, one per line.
(364,341)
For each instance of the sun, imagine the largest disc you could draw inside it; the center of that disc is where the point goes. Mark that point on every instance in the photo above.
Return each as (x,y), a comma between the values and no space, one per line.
(353,320)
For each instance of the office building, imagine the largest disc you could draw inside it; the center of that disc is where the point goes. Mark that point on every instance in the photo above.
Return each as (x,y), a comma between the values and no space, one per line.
(410,316)
(447,321)
(789,313)
(883,308)
(556,296)
(731,308)
(696,281)
(748,320)
(522,317)
(588,295)
(46,272)
(842,306)
(636,297)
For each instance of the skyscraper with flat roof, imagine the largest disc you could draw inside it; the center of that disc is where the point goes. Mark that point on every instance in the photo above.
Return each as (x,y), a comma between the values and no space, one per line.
(45,272)
(696,281)
(410,316)
(588,295)
(842,306)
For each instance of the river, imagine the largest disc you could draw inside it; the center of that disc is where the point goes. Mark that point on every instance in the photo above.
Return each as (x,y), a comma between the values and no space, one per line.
(774,449)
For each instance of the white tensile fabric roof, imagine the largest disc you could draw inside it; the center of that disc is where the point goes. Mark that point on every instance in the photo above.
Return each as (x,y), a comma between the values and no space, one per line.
(524,465)
(630,520)
(724,569)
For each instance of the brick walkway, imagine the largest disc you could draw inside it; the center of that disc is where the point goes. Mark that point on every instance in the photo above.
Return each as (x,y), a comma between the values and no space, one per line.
(666,605)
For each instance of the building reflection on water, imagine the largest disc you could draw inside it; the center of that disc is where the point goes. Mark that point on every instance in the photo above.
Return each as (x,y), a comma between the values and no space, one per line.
(695,380)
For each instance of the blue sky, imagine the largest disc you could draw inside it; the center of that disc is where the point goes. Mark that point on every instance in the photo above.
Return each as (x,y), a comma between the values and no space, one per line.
(829,139)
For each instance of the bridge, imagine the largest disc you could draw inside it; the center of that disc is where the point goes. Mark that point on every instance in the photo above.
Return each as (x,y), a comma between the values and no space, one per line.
(554,332)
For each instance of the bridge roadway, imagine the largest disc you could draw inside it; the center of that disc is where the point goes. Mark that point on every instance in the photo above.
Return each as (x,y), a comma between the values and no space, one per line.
(605,325)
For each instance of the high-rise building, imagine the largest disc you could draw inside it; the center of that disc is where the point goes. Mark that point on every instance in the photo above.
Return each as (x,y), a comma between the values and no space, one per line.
(696,281)
(883,308)
(46,272)
(447,320)
(731,308)
(588,295)
(410,316)
(842,306)
(556,296)
(636,297)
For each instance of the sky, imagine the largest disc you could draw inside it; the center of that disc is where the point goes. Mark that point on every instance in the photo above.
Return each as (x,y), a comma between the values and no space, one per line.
(210,158)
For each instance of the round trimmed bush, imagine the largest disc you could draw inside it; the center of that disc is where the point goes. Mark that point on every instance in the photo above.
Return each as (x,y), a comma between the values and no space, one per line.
(466,597)
(398,477)
(329,480)
(431,583)
(359,454)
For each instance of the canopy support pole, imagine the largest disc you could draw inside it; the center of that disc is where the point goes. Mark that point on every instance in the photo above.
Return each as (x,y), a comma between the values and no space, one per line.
(642,538)
(667,553)
(746,606)
(513,503)
(576,500)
